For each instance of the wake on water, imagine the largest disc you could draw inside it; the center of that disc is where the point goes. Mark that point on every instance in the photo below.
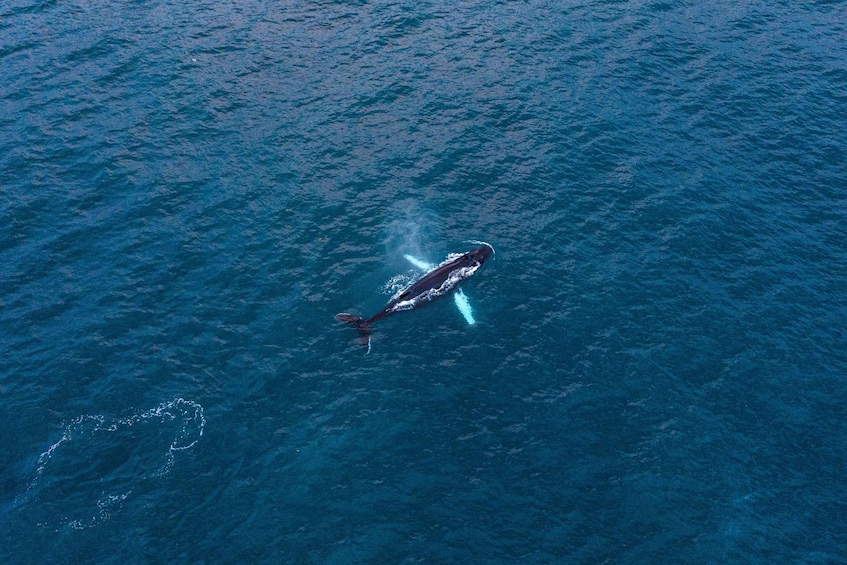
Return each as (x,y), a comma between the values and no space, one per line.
(117,454)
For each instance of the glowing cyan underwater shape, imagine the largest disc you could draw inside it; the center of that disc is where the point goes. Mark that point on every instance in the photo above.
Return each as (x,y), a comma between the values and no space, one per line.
(460,297)
(418,263)
(464,306)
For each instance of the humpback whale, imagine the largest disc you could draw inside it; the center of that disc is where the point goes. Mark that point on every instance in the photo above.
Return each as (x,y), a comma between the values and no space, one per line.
(437,282)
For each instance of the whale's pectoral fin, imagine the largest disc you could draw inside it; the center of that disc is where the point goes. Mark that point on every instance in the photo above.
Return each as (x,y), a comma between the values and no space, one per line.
(464,306)
(419,263)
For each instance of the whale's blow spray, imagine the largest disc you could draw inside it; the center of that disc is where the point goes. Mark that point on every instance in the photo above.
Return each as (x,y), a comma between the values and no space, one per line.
(409,231)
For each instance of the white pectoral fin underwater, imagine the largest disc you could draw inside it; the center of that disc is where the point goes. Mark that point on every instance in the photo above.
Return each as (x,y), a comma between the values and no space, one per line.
(419,263)
(439,280)
(464,306)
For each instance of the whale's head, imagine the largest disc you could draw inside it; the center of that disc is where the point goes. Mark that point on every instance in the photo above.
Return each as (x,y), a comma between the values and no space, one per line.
(481,254)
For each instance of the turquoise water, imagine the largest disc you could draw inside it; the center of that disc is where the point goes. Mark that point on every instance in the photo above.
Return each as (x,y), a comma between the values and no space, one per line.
(191,191)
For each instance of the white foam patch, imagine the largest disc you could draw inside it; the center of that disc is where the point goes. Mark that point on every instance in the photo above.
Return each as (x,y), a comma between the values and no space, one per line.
(396,285)
(450,257)
(99,462)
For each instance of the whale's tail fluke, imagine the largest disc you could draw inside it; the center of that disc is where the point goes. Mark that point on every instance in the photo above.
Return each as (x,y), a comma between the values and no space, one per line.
(361,326)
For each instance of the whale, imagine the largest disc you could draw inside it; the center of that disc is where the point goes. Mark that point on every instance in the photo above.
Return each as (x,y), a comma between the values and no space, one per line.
(439,281)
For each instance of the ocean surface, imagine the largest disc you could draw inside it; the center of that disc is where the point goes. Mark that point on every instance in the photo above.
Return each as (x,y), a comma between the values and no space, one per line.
(191,191)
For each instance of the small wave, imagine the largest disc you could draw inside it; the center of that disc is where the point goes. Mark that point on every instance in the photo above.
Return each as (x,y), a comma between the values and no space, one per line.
(478,242)
(99,462)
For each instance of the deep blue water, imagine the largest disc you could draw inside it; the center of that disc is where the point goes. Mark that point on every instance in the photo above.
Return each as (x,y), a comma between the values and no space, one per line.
(190,191)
